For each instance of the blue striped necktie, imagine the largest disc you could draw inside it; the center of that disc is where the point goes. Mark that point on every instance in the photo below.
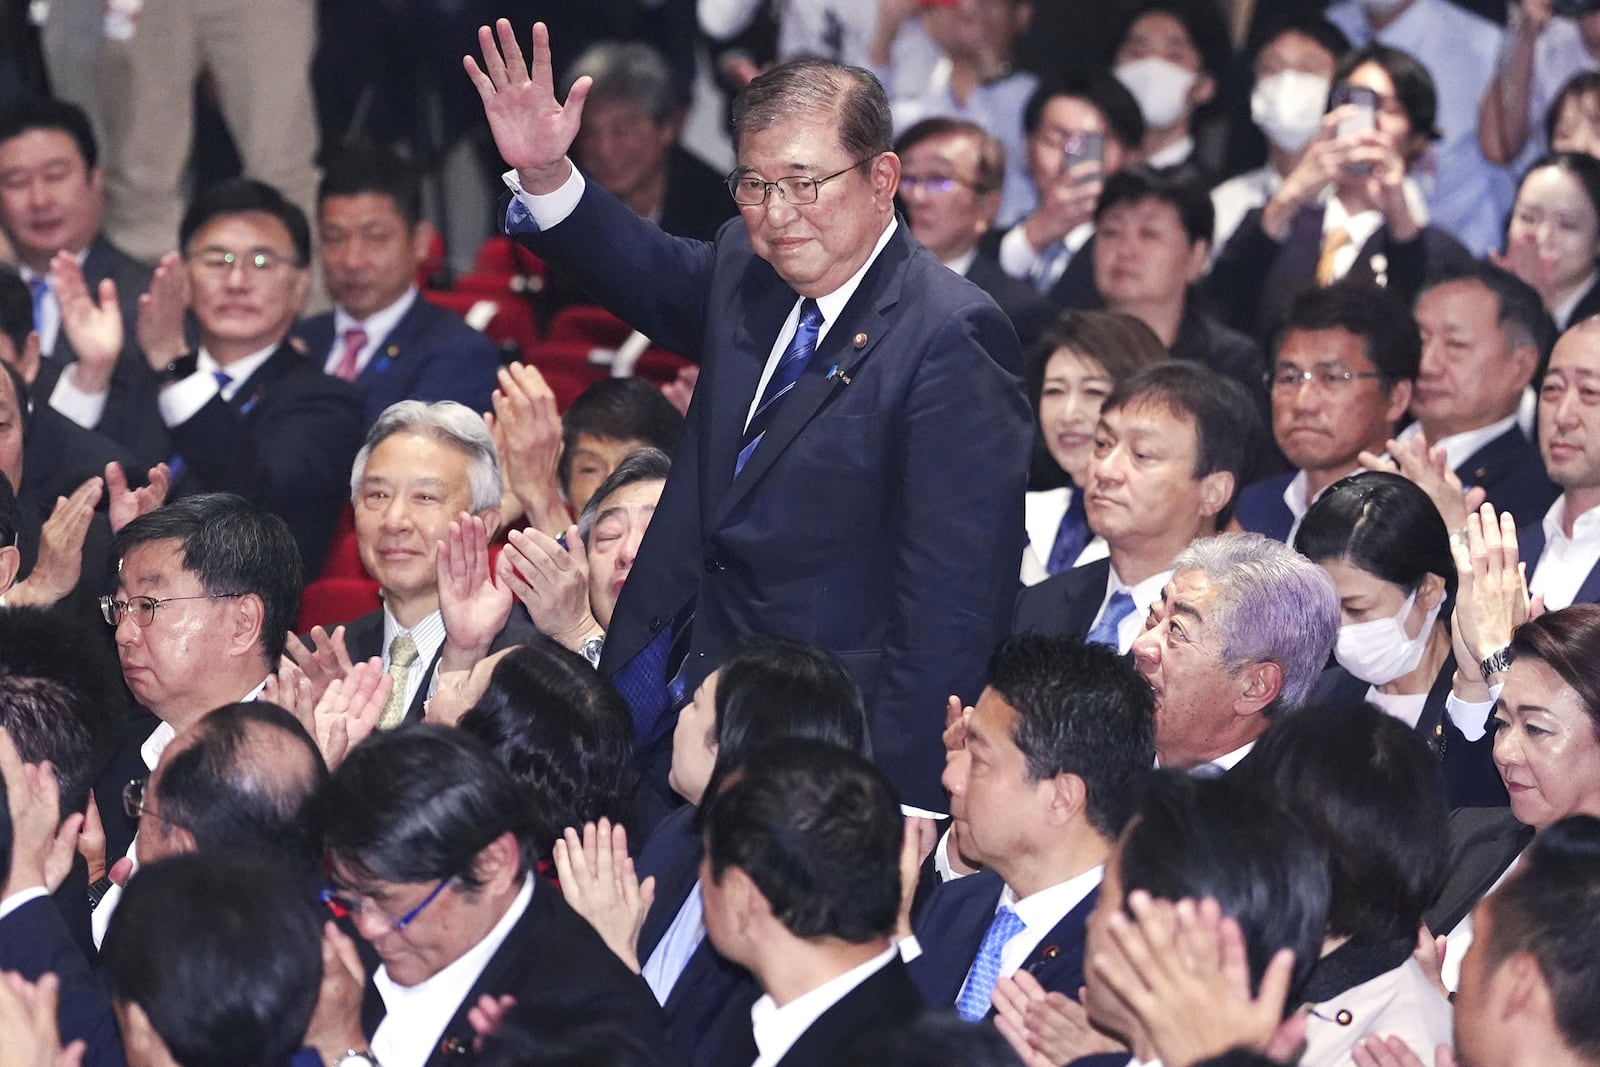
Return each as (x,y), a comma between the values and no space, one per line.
(784,376)
(1119,607)
(1071,536)
(973,1003)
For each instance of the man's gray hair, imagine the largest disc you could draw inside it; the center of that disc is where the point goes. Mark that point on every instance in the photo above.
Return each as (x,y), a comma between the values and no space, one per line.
(629,71)
(1272,605)
(448,423)
(850,97)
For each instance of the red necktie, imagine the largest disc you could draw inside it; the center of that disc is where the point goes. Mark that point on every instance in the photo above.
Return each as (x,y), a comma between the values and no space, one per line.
(355,339)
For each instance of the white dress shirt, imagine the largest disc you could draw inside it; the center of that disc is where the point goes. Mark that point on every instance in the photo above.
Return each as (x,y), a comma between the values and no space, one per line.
(1459,447)
(1143,593)
(1175,154)
(1566,561)
(1040,912)
(777,1029)
(378,326)
(428,635)
(671,954)
(415,1016)
(1235,198)
(1018,258)
(182,401)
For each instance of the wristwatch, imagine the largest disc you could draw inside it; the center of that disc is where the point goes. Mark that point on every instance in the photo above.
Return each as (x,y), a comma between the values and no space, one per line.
(1496,662)
(591,649)
(179,369)
(357,1057)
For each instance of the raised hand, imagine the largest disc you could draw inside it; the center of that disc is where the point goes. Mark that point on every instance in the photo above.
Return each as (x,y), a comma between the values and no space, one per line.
(28,1021)
(42,845)
(1491,591)
(532,130)
(128,504)
(1429,470)
(1045,1029)
(598,881)
(473,601)
(94,329)
(330,660)
(60,563)
(527,433)
(350,709)
(552,582)
(336,1020)
(161,308)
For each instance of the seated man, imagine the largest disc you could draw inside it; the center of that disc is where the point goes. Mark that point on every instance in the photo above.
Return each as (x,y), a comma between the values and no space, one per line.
(51,201)
(1241,634)
(247,413)
(1561,547)
(213,960)
(1484,336)
(801,885)
(1345,366)
(1171,448)
(206,592)
(950,193)
(381,335)
(425,840)
(1080,131)
(1152,239)
(1039,793)
(422,466)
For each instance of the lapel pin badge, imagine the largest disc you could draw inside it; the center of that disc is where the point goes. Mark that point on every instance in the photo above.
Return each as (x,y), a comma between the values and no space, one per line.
(392,351)
(859,340)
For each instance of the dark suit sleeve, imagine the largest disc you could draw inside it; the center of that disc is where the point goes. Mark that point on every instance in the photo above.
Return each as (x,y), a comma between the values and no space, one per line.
(34,941)
(464,371)
(958,536)
(1238,279)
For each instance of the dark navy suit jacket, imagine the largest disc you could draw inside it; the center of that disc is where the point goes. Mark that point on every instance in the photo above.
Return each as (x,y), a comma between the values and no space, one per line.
(284,442)
(881,516)
(1530,546)
(34,941)
(429,355)
(1511,472)
(1261,508)
(951,927)
(1065,604)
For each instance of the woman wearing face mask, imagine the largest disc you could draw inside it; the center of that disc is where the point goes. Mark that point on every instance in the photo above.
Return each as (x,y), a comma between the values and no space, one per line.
(1553,238)
(1381,540)
(1168,58)
(1079,360)
(1294,74)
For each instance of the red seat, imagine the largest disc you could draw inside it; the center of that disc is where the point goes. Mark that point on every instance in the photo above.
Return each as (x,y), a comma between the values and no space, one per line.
(567,368)
(594,325)
(344,558)
(505,319)
(330,601)
(503,266)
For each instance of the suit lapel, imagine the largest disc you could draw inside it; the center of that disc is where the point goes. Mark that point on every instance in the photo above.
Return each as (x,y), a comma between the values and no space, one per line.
(1060,952)
(279,364)
(738,374)
(397,343)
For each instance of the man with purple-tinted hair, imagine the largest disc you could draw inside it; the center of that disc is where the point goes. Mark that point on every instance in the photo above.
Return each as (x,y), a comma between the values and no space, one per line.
(1241,632)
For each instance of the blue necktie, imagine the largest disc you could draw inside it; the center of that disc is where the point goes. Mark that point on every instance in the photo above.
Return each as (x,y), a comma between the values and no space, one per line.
(973,1003)
(39,286)
(1119,607)
(1071,536)
(1044,273)
(223,380)
(784,376)
(651,682)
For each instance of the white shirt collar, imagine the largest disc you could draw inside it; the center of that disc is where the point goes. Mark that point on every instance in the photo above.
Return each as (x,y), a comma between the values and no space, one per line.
(1143,593)
(777,1029)
(1585,528)
(378,325)
(415,1016)
(832,304)
(1458,448)
(1040,912)
(963,263)
(239,371)
(1176,153)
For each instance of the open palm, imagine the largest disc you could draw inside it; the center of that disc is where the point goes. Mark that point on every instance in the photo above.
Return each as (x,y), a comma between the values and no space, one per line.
(531,128)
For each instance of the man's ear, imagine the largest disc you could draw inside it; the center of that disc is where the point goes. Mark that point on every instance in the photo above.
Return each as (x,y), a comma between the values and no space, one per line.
(10,563)
(1199,257)
(496,864)
(1204,88)
(1523,994)
(1524,363)
(1399,400)
(1262,682)
(422,235)
(885,176)
(1216,489)
(249,615)
(1069,796)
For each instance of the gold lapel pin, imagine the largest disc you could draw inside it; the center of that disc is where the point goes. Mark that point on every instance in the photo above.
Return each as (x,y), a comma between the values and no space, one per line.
(860,340)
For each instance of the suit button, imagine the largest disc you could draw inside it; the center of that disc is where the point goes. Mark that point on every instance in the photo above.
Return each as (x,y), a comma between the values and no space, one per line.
(656,623)
(713,565)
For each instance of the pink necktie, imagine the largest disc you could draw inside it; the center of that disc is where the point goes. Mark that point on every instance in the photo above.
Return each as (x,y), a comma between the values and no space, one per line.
(355,339)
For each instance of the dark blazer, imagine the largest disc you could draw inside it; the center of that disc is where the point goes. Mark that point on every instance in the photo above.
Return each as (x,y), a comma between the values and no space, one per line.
(1483,843)
(1065,604)
(429,355)
(886,1001)
(1510,470)
(1588,306)
(1074,290)
(1255,279)
(1261,508)
(1530,546)
(557,968)
(697,1010)
(363,639)
(850,527)
(1206,341)
(284,442)
(951,930)
(123,766)
(1029,312)
(130,417)
(1470,777)
(34,941)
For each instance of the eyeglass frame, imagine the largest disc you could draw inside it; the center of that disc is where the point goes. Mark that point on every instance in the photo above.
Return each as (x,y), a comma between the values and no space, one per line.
(133,802)
(949,183)
(776,183)
(1327,380)
(109,602)
(337,901)
(221,261)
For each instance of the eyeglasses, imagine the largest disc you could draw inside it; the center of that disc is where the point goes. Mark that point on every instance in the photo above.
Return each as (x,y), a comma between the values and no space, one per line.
(751,191)
(221,261)
(133,802)
(143,608)
(344,906)
(935,184)
(1290,377)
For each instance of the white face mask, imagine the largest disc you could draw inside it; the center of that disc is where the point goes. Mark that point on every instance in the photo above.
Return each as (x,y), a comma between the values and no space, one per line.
(1379,651)
(1288,107)
(1160,86)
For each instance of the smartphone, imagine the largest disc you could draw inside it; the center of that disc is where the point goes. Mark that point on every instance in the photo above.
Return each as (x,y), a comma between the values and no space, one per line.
(1365,118)
(1082,147)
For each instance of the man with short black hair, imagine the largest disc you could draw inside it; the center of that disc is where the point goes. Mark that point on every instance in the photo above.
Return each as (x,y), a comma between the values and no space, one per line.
(801,886)
(1039,791)
(381,334)
(426,841)
(1342,377)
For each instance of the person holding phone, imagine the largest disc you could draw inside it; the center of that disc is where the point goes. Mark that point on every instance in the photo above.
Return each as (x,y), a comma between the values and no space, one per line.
(1348,208)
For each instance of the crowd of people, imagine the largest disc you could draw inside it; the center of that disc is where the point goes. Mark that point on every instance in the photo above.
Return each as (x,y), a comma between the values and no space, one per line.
(1118,584)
